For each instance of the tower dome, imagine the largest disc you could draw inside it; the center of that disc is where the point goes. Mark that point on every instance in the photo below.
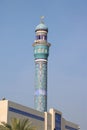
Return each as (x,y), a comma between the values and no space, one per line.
(41,26)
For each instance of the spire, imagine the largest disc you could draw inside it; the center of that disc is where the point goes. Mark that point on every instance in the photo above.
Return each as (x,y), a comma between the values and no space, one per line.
(41,26)
(42,19)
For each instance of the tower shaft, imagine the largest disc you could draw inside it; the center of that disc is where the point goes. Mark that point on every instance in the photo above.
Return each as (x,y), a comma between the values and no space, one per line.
(41,53)
(40,85)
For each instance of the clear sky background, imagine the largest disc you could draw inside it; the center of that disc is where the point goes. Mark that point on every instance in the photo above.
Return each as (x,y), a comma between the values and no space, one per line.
(67,66)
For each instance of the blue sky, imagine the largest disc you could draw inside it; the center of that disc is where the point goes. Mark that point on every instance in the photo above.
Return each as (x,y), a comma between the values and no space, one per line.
(67,66)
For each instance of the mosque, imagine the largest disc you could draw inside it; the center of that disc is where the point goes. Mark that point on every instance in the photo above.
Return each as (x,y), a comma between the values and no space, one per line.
(40,117)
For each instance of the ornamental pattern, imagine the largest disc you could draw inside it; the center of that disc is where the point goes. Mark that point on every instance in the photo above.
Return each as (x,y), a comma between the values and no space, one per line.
(40,98)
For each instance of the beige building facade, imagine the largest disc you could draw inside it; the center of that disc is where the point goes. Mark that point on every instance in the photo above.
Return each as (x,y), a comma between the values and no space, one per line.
(51,120)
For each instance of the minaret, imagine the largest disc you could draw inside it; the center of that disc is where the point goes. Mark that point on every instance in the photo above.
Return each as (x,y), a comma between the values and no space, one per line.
(41,53)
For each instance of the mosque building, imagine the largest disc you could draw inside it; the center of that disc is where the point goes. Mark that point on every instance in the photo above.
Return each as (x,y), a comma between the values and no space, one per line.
(40,117)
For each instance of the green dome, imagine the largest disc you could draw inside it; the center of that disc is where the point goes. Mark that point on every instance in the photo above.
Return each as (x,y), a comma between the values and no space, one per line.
(41,26)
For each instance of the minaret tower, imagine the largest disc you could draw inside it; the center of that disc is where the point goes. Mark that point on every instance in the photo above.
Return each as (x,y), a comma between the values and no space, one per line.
(41,53)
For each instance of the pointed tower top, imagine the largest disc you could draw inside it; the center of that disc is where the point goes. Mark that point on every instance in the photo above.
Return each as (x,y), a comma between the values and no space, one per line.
(42,19)
(41,26)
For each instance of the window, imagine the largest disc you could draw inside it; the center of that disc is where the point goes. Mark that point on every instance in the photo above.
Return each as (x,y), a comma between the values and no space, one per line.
(43,37)
(57,121)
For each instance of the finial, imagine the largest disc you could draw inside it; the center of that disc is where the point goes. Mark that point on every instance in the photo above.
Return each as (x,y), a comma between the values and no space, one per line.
(42,19)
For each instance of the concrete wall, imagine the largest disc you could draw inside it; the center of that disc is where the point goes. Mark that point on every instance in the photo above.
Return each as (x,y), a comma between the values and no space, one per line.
(71,126)
(9,110)
(63,124)
(53,113)
(41,120)
(3,110)
(48,121)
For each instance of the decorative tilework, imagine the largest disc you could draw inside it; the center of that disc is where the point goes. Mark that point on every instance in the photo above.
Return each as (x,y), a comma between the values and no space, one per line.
(41,51)
(41,103)
(40,98)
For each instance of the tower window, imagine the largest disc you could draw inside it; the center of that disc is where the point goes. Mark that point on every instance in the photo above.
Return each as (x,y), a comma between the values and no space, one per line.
(43,37)
(38,37)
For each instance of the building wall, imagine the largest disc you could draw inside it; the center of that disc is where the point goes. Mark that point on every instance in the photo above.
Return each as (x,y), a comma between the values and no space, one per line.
(3,110)
(19,111)
(56,119)
(48,121)
(70,126)
(63,124)
(59,123)
(51,120)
